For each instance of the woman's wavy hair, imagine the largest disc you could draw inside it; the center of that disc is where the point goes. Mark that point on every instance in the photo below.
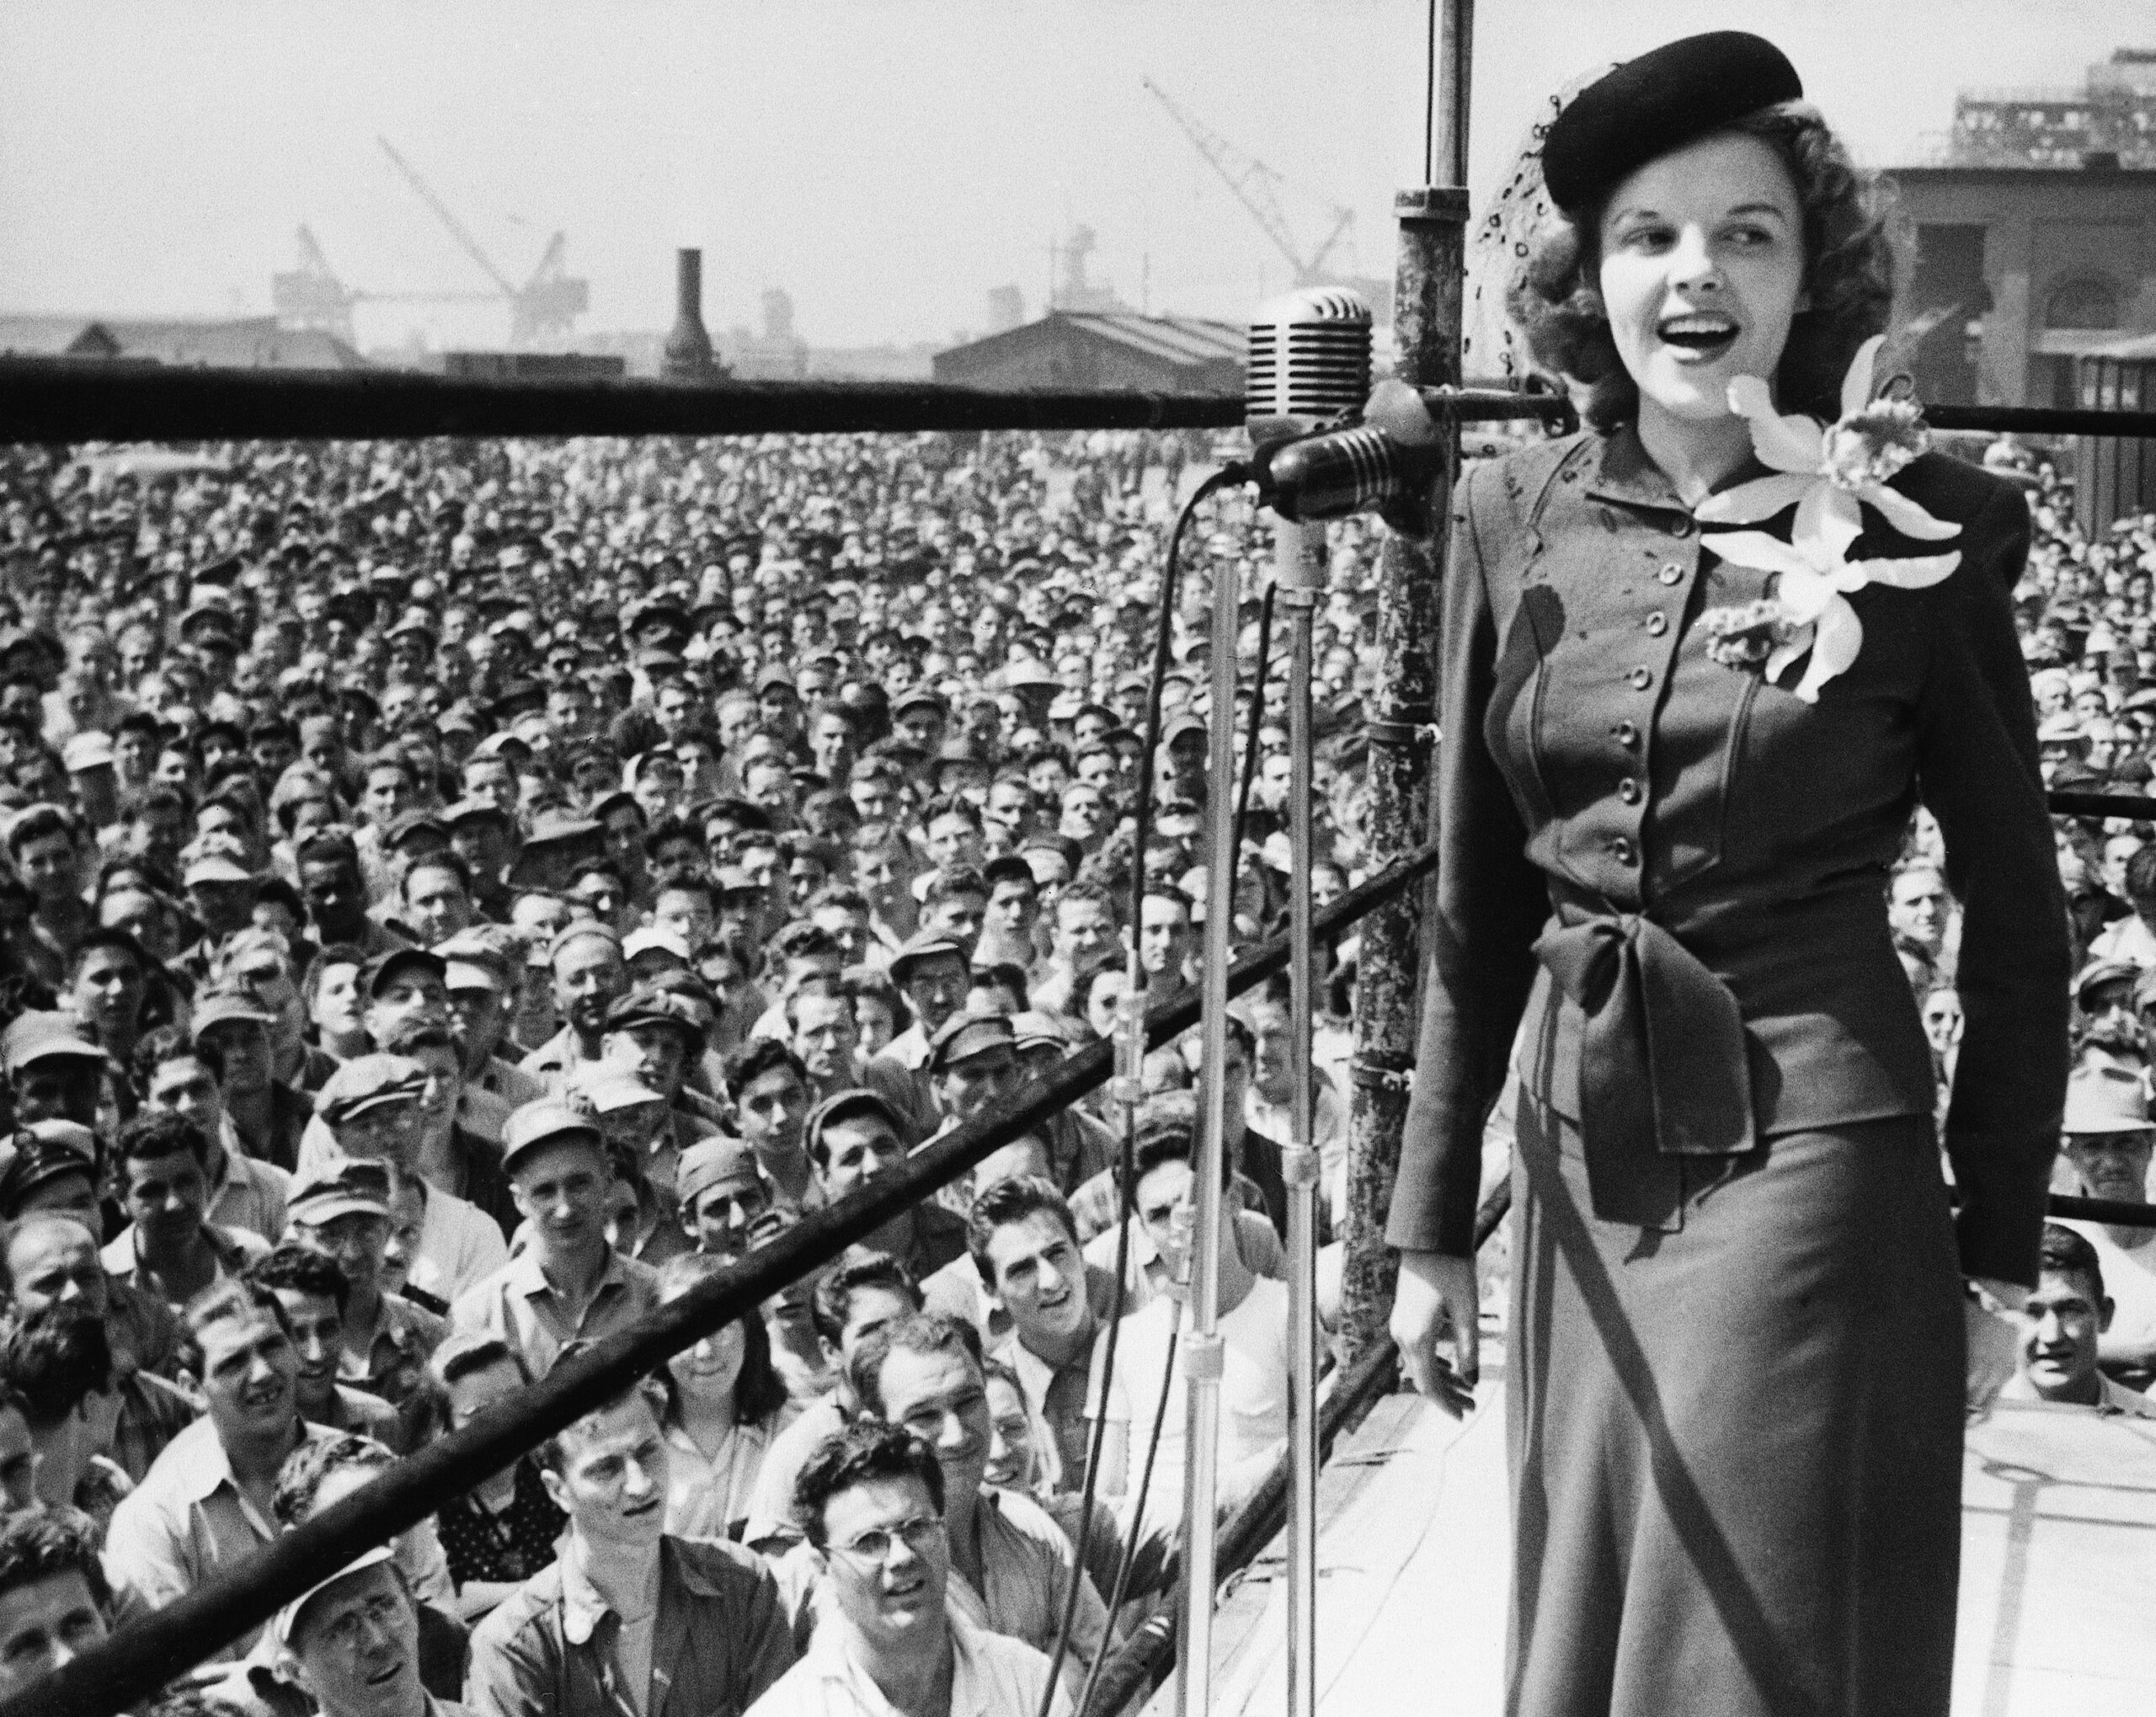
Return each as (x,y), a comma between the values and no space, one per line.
(1849,238)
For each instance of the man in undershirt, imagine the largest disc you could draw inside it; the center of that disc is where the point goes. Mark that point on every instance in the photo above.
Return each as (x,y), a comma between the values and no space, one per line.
(1253,1327)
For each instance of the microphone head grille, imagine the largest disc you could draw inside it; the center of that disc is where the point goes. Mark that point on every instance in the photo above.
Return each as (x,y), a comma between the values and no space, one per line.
(1309,355)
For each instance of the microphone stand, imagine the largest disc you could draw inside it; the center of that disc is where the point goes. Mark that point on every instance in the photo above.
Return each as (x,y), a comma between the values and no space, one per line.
(1202,1357)
(1298,573)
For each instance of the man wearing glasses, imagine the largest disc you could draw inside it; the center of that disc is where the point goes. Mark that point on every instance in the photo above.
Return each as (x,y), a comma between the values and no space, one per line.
(1011,1567)
(870,1501)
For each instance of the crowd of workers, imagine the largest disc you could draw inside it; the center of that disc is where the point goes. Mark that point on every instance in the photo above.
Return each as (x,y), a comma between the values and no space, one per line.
(459,896)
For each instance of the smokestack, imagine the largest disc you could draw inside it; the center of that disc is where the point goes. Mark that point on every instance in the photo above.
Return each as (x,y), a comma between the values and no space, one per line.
(688,347)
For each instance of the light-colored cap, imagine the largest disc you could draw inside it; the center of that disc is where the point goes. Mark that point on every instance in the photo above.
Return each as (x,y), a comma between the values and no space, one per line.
(288,1617)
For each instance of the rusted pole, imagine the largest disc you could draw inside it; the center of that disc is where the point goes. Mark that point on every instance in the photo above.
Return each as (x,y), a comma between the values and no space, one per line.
(1426,314)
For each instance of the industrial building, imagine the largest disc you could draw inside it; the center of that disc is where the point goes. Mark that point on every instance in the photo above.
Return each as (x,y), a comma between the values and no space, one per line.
(2019,271)
(2036,237)
(245,342)
(1073,348)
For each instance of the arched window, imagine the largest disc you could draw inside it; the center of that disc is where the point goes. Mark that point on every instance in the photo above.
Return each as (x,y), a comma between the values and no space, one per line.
(2087,302)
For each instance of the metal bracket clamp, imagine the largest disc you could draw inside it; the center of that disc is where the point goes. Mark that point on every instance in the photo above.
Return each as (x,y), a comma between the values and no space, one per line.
(1204,1358)
(1435,204)
(1375,1076)
(1402,732)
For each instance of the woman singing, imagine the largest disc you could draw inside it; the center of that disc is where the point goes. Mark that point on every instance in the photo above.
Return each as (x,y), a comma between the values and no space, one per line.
(1701,665)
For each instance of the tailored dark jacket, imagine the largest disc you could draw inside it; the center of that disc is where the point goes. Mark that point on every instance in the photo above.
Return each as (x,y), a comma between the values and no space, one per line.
(1599,769)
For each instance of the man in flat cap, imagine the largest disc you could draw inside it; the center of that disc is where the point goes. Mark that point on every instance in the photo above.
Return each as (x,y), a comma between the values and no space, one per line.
(370,1108)
(854,1137)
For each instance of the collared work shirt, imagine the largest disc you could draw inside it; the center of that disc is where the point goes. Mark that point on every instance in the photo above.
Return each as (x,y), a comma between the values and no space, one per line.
(719,1640)
(405,1337)
(233,1248)
(1026,1568)
(990,1676)
(249,1193)
(185,1523)
(517,1303)
(708,1497)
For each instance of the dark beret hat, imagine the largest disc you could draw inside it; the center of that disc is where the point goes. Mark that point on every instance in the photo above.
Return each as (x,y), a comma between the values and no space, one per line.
(1662,100)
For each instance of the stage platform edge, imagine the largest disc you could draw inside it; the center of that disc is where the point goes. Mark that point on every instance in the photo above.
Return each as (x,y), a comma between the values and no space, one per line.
(2058,1586)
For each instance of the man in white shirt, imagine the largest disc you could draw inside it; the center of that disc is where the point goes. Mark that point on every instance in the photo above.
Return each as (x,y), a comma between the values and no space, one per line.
(209,1499)
(1253,1328)
(569,1283)
(871,1502)
(1012,1568)
(1041,1306)
(2065,1316)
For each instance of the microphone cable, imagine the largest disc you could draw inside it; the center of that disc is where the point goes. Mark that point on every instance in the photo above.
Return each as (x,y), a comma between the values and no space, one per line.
(1126,1194)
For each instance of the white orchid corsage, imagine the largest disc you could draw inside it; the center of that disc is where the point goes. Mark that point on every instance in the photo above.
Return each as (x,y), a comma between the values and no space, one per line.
(1829,474)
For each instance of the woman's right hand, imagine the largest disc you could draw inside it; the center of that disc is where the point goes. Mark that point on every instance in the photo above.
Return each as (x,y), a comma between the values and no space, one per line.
(1437,1299)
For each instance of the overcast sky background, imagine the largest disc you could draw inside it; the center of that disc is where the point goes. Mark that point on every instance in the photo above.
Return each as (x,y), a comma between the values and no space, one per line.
(887,162)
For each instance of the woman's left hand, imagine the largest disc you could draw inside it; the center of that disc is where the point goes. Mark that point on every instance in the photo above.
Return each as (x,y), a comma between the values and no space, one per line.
(1994,1331)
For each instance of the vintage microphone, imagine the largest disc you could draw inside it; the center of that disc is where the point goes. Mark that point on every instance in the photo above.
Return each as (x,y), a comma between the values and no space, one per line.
(1309,373)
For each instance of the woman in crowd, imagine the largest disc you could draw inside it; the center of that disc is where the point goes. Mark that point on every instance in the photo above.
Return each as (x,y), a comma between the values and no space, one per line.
(724,1404)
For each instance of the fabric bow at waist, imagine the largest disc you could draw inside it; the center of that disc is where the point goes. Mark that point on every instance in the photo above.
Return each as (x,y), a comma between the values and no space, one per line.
(1663,1067)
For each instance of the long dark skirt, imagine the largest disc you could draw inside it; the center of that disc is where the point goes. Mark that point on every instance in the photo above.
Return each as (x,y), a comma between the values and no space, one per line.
(1737,1447)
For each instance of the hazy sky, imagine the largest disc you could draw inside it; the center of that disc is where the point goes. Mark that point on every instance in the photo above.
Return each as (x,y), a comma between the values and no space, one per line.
(887,162)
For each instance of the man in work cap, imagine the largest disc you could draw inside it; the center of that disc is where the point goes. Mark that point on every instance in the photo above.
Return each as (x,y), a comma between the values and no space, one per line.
(931,972)
(371,1106)
(569,1283)
(51,1166)
(343,1210)
(356,1637)
(723,1196)
(54,1072)
(853,1138)
(482,968)
(632,1122)
(971,1061)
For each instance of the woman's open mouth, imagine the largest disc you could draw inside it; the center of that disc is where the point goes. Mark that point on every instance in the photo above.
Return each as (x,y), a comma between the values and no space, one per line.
(1706,334)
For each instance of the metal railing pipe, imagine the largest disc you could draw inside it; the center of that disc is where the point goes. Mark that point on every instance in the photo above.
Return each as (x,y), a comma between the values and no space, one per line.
(67,400)
(71,400)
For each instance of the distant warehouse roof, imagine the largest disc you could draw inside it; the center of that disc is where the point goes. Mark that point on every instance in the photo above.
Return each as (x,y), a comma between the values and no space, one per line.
(251,343)
(1088,348)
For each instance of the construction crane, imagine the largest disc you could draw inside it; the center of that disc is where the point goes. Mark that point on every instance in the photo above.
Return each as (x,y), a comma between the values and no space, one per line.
(313,297)
(546,307)
(1257,187)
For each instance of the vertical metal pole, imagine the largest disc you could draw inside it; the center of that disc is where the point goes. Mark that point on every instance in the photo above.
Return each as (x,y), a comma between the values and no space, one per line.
(1298,573)
(1426,314)
(1202,1352)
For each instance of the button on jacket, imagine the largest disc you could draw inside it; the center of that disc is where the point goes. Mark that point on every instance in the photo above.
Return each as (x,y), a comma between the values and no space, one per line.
(1599,769)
